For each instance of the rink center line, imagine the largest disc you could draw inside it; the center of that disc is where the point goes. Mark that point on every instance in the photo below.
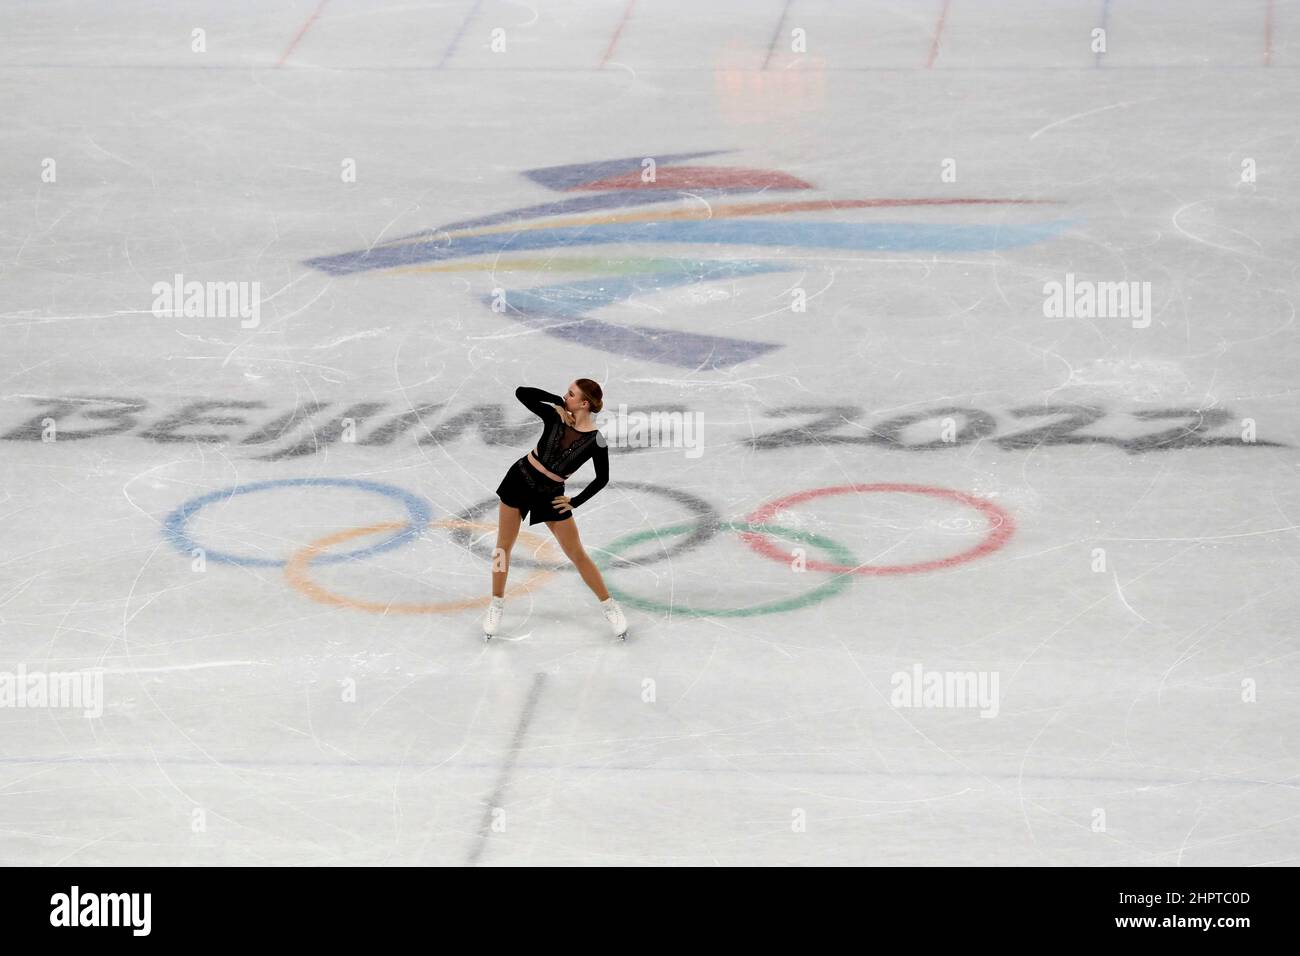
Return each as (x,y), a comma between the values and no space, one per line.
(776,34)
(495,799)
(455,40)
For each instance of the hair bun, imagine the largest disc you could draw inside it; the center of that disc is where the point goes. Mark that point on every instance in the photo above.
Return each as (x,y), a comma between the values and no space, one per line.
(592,392)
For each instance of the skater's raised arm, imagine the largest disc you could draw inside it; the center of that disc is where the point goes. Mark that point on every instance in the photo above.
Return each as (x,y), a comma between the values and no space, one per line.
(537,401)
(600,459)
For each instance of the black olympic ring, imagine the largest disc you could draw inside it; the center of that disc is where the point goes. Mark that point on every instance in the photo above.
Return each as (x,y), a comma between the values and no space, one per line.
(708,523)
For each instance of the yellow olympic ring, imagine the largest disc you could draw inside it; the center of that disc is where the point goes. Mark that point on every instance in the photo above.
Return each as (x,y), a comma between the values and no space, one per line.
(296,572)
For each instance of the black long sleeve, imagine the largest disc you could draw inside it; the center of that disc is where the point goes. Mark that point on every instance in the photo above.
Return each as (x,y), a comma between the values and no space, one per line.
(537,401)
(600,460)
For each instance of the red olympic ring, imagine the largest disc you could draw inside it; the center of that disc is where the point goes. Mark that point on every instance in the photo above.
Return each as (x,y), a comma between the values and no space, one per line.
(1000,523)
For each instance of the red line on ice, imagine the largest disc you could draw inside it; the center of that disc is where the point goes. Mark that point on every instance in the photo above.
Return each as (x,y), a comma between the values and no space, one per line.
(302,32)
(618,32)
(938,32)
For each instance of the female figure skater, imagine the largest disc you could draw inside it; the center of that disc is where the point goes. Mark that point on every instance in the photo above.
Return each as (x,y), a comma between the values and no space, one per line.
(535,483)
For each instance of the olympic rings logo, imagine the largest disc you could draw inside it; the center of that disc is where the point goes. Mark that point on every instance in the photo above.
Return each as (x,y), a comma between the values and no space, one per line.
(758,531)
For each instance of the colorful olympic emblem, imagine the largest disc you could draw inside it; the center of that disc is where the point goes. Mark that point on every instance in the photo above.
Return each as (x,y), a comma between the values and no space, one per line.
(758,530)
(674,200)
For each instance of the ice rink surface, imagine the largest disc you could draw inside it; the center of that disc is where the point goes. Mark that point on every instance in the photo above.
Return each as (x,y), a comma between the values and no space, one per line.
(270,541)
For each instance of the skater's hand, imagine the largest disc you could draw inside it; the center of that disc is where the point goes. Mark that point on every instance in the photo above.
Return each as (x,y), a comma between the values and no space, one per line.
(562,504)
(566,416)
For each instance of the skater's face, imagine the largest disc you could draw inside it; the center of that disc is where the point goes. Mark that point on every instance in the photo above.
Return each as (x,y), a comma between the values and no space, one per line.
(574,400)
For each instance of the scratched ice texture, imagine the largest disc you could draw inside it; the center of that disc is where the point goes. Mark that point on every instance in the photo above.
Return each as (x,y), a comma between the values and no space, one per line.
(269,542)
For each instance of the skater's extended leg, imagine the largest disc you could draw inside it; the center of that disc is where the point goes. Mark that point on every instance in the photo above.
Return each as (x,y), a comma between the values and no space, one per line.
(566,532)
(508,521)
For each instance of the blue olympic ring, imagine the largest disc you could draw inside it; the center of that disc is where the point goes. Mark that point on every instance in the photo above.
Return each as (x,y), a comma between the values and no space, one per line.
(419,511)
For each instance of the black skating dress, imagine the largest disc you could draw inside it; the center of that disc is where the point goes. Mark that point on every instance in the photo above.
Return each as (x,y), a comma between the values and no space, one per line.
(562,449)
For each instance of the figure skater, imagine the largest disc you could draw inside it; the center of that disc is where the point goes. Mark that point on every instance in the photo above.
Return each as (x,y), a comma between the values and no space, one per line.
(535,485)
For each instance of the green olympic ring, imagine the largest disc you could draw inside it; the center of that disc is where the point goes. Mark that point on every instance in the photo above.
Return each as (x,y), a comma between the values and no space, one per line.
(835,585)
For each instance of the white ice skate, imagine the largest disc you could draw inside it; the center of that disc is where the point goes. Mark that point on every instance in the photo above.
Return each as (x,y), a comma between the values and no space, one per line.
(614,614)
(492,618)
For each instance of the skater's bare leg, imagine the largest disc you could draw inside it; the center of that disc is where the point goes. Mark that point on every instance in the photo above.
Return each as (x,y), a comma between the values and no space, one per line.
(566,533)
(508,521)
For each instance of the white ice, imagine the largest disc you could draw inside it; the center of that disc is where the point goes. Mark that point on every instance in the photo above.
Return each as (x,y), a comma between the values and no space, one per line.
(1140,621)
